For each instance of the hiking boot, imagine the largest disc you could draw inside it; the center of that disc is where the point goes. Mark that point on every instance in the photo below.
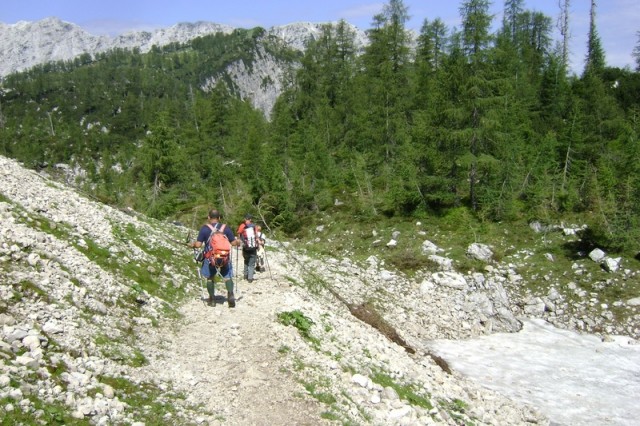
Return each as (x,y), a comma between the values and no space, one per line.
(211,301)
(231,299)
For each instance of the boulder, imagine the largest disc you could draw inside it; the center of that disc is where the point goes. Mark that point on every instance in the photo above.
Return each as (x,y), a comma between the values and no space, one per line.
(480,252)
(597,255)
(430,248)
(611,264)
(450,279)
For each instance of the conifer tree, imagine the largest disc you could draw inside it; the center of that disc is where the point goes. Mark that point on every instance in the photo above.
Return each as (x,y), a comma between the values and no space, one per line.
(386,75)
(563,26)
(594,62)
(636,52)
(160,158)
(475,43)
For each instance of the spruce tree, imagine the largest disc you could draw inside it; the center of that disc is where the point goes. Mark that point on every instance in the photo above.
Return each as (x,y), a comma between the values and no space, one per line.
(594,62)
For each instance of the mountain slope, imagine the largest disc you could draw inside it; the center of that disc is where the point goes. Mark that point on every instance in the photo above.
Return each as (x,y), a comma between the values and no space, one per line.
(103,321)
(26,44)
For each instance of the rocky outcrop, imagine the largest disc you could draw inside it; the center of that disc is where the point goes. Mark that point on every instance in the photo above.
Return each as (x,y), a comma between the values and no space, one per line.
(260,83)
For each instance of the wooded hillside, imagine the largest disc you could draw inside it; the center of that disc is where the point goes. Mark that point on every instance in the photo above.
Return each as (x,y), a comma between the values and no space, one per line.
(463,118)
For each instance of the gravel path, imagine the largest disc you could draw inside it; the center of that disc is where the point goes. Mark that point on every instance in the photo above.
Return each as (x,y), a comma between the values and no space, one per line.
(225,359)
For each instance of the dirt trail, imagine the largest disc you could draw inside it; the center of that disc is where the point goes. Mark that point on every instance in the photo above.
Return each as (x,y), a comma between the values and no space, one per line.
(228,360)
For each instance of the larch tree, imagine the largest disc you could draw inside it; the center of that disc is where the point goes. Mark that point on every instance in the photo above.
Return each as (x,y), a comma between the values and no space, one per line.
(476,39)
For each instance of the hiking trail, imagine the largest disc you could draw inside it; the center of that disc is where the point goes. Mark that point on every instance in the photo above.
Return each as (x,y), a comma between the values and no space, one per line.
(226,359)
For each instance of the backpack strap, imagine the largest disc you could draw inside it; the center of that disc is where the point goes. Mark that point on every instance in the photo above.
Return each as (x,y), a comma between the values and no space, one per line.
(218,228)
(214,229)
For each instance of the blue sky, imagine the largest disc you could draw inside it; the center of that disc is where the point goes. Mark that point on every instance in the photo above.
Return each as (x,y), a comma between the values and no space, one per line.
(618,20)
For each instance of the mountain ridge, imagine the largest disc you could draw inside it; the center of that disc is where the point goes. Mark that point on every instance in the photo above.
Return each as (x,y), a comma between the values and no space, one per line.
(26,44)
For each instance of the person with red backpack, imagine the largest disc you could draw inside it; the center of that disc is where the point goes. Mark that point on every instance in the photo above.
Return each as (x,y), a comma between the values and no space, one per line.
(250,244)
(217,239)
(247,219)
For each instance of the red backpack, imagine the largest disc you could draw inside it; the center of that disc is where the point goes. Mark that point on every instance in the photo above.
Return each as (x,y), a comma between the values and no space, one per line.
(218,247)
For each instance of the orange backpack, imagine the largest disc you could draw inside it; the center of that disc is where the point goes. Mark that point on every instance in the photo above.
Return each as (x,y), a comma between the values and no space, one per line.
(218,247)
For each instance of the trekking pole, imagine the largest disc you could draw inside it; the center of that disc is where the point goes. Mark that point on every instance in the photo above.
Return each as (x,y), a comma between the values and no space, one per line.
(204,285)
(237,264)
(236,287)
(236,284)
(266,259)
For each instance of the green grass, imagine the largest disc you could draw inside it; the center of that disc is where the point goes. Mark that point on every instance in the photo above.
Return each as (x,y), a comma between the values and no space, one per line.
(138,359)
(298,364)
(298,320)
(139,273)
(52,414)
(457,409)
(314,390)
(405,392)
(149,403)
(284,349)
(329,415)
(130,234)
(29,289)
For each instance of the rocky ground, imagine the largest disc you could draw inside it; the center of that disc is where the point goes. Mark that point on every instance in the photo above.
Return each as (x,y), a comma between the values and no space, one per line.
(93,321)
(246,367)
(227,362)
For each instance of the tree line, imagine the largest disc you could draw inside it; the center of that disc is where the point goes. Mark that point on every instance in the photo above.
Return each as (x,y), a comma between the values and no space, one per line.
(492,122)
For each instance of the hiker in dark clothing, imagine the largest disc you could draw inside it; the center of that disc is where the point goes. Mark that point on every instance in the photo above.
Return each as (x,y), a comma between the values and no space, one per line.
(210,270)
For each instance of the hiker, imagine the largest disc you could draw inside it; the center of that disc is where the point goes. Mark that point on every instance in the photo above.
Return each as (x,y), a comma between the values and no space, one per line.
(244,223)
(209,268)
(261,255)
(249,247)
(261,238)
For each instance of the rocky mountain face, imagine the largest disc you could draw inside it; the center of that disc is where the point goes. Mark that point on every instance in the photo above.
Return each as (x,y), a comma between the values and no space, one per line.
(26,44)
